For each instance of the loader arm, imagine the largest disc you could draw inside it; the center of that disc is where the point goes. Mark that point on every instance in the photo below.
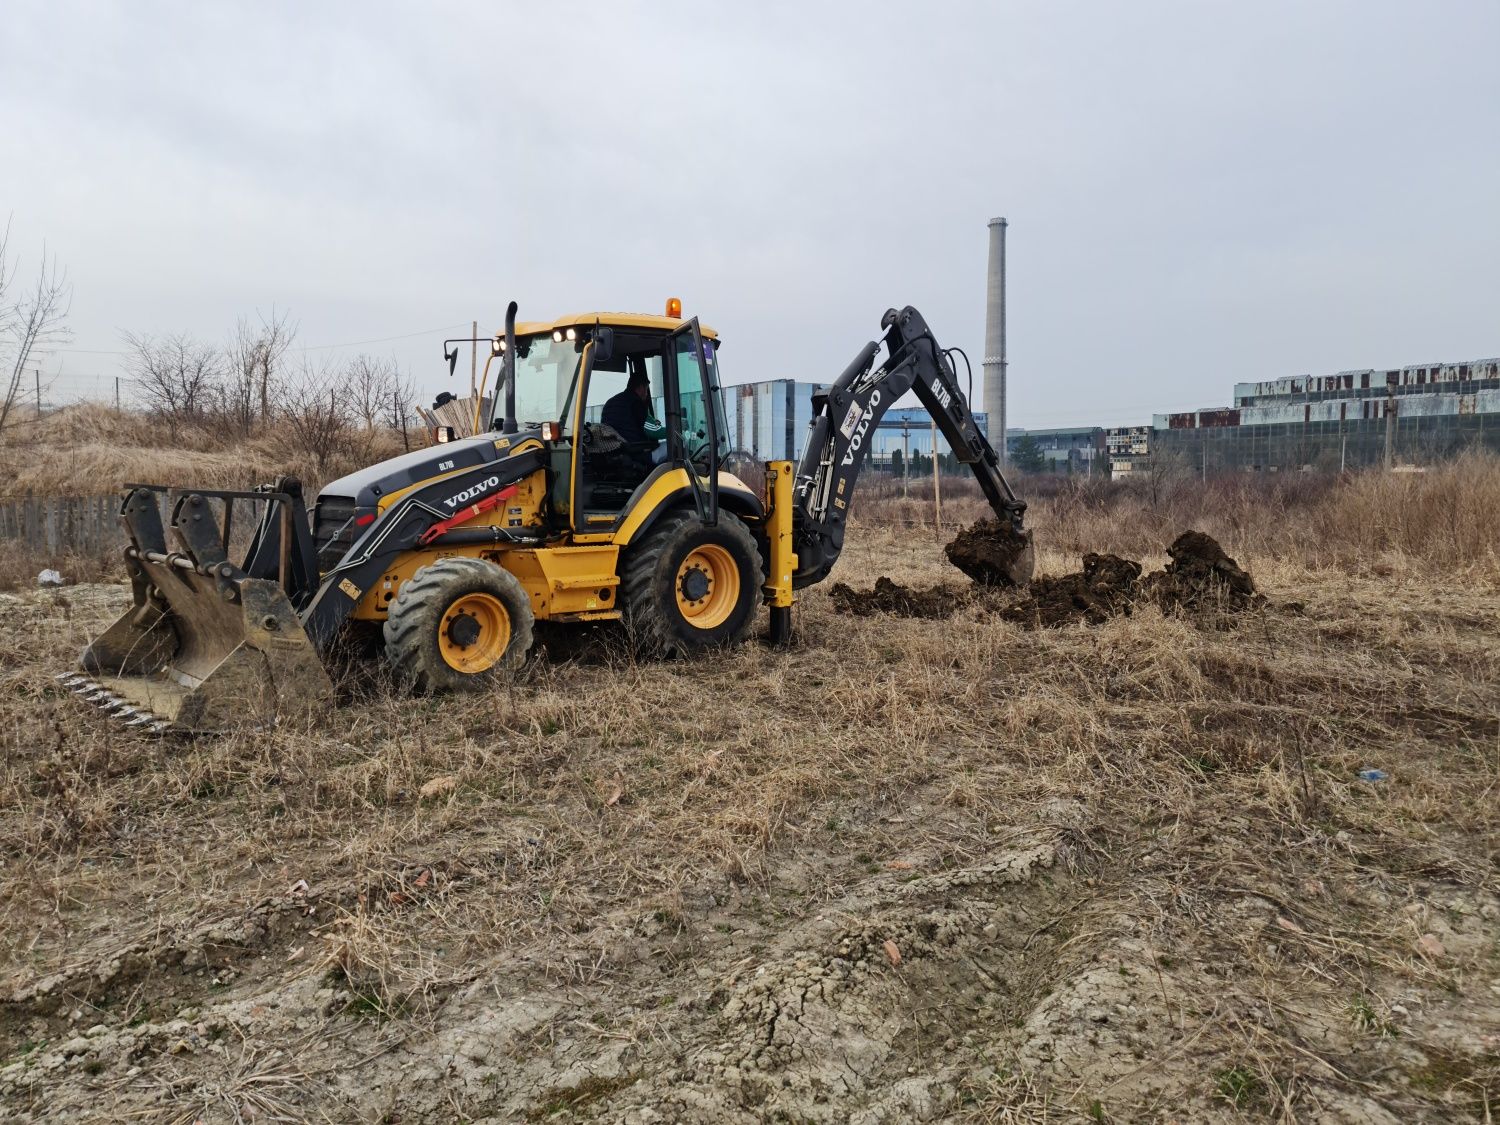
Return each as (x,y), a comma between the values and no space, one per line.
(838,439)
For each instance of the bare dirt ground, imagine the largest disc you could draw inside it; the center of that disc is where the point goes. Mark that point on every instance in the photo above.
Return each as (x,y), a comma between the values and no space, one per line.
(911,870)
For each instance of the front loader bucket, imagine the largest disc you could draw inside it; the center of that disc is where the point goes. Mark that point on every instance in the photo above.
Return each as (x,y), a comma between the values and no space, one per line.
(205,646)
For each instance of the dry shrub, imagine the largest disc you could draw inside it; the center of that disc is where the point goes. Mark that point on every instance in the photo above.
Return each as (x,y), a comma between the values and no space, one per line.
(87,449)
(1435,520)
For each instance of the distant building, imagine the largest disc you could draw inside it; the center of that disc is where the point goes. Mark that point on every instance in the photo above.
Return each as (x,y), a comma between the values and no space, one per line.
(1075,450)
(768,420)
(1402,415)
(1125,446)
(912,428)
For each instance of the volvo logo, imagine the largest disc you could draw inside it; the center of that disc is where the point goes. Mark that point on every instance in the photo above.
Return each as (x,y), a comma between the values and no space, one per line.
(858,439)
(470,493)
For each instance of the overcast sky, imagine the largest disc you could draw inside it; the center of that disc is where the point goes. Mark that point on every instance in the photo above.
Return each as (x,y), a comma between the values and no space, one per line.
(1198,193)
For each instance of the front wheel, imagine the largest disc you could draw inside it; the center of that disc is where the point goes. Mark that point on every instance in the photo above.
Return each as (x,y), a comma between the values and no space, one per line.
(456,624)
(690,587)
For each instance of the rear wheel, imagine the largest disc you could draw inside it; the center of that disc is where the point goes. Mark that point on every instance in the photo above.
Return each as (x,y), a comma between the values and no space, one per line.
(456,624)
(690,587)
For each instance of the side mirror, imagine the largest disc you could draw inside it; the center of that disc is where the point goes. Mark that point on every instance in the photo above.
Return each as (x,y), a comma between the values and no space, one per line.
(452,358)
(604,345)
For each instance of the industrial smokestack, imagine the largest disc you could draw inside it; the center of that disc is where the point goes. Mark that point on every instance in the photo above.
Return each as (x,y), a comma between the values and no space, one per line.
(994,339)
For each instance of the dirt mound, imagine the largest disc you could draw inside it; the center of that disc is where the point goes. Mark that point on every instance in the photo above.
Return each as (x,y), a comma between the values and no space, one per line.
(1200,576)
(897,600)
(988,552)
(1104,587)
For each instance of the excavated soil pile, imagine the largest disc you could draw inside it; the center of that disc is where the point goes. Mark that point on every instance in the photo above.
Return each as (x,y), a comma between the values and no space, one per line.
(986,552)
(1104,587)
(1200,576)
(897,600)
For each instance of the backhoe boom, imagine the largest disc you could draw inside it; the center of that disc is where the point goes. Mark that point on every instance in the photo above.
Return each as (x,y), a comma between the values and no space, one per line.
(838,440)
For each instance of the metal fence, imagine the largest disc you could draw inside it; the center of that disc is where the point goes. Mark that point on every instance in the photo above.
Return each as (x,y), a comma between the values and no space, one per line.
(62,525)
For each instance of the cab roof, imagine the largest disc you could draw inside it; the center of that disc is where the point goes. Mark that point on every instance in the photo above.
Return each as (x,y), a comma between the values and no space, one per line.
(612,320)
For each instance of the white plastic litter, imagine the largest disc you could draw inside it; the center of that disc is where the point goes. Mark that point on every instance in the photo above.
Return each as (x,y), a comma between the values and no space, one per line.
(49,577)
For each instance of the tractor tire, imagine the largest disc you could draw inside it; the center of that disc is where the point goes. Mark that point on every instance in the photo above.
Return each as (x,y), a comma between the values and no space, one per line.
(456,624)
(690,587)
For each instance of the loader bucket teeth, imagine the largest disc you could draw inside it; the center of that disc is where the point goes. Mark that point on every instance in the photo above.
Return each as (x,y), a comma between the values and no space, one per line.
(203,646)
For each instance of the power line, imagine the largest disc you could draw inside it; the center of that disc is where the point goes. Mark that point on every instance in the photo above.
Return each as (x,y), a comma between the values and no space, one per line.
(308,348)
(384,339)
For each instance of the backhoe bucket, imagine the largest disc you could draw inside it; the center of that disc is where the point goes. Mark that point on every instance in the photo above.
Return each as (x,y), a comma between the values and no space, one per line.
(206,645)
(994,553)
(1023,566)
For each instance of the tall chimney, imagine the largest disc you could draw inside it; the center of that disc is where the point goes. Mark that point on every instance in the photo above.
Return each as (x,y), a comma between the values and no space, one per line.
(994,340)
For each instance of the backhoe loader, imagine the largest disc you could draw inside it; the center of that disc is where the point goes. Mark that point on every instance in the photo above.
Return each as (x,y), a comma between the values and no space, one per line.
(549,514)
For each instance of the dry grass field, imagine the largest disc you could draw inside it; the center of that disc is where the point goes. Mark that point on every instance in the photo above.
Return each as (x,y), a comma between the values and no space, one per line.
(909,870)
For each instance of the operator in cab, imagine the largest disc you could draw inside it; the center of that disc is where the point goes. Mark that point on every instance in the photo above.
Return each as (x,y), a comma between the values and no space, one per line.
(629,415)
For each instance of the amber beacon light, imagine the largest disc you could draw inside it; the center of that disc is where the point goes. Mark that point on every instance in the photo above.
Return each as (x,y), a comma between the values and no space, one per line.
(674,307)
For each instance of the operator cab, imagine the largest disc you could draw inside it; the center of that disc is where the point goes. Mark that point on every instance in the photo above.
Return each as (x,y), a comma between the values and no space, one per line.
(577,375)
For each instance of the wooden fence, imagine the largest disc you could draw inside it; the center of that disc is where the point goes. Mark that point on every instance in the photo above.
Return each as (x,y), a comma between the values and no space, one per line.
(64,525)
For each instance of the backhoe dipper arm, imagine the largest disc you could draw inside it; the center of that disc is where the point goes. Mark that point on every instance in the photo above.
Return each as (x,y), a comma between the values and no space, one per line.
(838,439)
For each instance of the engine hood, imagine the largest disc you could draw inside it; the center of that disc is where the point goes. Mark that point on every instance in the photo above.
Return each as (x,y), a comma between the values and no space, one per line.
(366,486)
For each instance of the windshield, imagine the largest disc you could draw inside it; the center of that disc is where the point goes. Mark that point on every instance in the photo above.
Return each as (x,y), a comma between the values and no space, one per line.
(545,369)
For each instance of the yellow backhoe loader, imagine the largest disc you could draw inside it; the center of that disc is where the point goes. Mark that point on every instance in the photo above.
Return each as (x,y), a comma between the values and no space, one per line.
(550,513)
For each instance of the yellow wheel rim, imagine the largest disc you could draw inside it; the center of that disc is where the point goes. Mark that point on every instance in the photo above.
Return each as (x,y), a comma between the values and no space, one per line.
(474,634)
(708,586)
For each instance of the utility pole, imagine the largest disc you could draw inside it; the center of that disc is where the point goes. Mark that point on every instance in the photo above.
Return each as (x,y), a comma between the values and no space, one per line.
(38,374)
(474,361)
(117,393)
(937,485)
(1390,432)
(906,457)
(263,361)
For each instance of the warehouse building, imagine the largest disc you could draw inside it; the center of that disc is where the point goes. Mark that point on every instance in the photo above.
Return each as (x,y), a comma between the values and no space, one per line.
(1413,415)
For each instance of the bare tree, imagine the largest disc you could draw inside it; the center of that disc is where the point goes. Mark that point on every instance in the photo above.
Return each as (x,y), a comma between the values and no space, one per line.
(30,322)
(316,420)
(369,384)
(1164,473)
(253,359)
(400,407)
(178,376)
